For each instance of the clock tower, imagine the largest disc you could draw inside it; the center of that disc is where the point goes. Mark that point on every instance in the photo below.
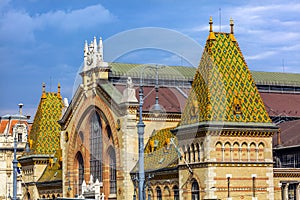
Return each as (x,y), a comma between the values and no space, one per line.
(94,66)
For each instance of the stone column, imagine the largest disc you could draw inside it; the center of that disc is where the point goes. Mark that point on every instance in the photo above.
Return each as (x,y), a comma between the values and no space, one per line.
(286,191)
(297,191)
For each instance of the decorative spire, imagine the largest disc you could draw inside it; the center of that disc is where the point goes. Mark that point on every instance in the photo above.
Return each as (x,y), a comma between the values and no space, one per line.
(100,49)
(86,48)
(95,44)
(43,91)
(211,35)
(231,25)
(210,24)
(231,31)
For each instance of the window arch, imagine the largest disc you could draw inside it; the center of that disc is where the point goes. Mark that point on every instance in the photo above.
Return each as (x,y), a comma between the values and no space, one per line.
(96,147)
(236,152)
(252,151)
(158,193)
(112,171)
(227,151)
(80,168)
(260,152)
(108,131)
(195,190)
(176,192)
(81,136)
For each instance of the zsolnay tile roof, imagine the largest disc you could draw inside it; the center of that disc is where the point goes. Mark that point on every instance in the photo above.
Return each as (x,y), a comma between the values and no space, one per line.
(223,88)
(45,134)
(160,153)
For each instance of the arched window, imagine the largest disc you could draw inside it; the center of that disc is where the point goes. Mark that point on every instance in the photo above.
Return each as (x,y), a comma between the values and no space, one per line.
(112,171)
(176,192)
(80,165)
(96,147)
(158,193)
(28,196)
(195,190)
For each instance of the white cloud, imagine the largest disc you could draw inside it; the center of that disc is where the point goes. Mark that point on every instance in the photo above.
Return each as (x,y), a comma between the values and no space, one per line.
(71,20)
(261,55)
(19,26)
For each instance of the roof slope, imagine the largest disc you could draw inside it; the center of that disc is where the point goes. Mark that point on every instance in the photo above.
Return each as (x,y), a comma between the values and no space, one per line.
(160,153)
(188,73)
(45,128)
(223,88)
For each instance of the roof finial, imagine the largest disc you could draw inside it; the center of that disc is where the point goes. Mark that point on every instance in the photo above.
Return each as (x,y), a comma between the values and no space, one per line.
(43,90)
(210,24)
(95,44)
(231,25)
(86,48)
(231,31)
(58,90)
(211,35)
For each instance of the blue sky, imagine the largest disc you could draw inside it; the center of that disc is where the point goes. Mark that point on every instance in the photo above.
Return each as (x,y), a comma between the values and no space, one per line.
(43,40)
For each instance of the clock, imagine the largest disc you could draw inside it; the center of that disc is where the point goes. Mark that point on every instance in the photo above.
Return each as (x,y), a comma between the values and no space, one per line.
(89,59)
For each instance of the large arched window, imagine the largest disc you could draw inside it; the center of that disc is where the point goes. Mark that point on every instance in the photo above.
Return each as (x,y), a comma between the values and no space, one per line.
(80,174)
(176,192)
(112,171)
(96,147)
(158,193)
(195,190)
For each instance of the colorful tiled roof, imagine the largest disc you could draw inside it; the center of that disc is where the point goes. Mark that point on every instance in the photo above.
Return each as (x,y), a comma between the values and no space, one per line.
(223,88)
(160,153)
(45,130)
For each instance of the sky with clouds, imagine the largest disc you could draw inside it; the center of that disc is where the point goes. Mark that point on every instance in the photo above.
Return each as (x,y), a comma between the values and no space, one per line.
(42,41)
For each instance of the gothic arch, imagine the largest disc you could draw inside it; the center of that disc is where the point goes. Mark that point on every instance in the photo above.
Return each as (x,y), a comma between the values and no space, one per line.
(236,151)
(261,151)
(252,151)
(79,172)
(81,116)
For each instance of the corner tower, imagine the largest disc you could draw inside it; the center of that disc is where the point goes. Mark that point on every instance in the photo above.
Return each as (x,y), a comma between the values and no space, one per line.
(225,131)
(42,165)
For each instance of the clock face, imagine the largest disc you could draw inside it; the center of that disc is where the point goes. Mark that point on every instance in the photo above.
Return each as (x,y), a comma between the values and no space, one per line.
(89,60)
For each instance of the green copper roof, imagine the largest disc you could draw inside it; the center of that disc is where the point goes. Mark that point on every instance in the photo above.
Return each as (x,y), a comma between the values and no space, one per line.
(160,153)
(276,78)
(223,88)
(188,73)
(166,72)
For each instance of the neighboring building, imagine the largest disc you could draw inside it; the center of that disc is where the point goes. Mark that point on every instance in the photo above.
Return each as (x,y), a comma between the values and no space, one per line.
(287,158)
(41,166)
(11,126)
(213,141)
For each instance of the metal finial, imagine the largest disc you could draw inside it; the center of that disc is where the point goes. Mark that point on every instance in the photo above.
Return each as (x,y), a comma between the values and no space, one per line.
(231,25)
(210,24)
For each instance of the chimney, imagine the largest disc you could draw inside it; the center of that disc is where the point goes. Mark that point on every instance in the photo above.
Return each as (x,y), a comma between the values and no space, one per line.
(20,108)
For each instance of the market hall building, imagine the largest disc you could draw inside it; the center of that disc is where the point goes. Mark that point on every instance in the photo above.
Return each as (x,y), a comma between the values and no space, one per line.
(212,141)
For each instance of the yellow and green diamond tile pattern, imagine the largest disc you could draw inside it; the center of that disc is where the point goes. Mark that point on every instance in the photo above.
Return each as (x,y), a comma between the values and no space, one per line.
(223,88)
(45,130)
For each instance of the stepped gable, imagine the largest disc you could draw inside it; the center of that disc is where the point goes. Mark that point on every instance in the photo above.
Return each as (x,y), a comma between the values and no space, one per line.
(223,88)
(45,132)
